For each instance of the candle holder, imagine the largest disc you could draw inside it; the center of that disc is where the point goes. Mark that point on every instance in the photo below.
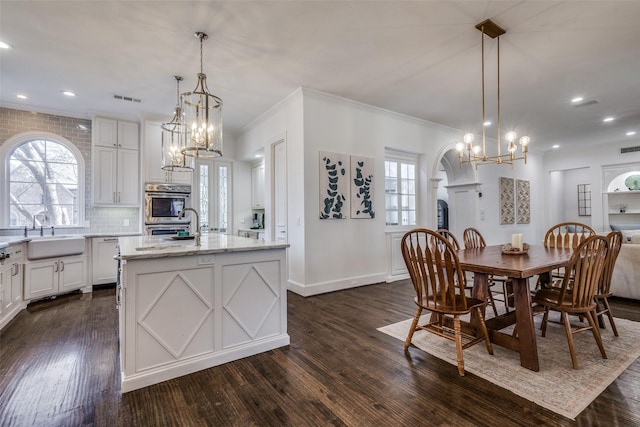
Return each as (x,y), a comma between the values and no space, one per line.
(508,249)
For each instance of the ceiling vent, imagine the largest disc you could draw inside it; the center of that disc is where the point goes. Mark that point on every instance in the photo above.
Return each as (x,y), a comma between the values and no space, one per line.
(127,98)
(585,103)
(629,149)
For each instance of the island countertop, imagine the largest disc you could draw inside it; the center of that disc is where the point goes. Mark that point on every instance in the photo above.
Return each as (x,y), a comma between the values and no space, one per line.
(142,247)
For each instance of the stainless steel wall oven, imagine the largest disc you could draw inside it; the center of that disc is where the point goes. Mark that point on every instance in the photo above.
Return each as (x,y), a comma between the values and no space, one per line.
(162,205)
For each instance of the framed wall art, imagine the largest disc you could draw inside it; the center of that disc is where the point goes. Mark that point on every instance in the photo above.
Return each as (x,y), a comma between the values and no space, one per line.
(334,185)
(362,187)
(523,201)
(507,199)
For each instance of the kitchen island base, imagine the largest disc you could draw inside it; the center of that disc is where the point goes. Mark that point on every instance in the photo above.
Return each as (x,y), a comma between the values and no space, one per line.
(183,313)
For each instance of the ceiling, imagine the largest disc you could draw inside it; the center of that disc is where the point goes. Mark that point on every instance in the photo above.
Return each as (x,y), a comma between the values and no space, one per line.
(420,58)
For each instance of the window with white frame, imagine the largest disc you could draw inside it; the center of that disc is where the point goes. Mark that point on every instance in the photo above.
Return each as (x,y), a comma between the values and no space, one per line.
(400,189)
(44,184)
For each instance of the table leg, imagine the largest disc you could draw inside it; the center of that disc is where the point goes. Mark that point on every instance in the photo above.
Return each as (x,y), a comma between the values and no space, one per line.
(526,328)
(480,290)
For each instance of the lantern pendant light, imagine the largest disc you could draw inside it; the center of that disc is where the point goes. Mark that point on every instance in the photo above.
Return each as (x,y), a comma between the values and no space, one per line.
(173,140)
(202,117)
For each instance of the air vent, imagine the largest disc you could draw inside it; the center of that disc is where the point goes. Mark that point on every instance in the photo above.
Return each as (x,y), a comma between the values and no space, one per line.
(629,149)
(127,98)
(585,103)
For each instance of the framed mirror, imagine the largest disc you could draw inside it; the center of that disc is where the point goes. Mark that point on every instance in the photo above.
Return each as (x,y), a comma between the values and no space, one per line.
(584,199)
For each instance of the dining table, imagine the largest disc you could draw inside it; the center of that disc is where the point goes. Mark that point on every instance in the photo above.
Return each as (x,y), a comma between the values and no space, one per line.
(519,268)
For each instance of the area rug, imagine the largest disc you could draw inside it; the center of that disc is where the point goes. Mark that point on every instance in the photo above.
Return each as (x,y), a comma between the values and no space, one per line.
(578,387)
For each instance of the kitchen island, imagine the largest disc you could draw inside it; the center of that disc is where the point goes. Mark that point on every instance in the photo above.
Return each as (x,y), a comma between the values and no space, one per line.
(184,308)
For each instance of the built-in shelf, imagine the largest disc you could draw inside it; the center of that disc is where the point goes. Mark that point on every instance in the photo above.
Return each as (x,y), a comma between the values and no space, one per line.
(624,213)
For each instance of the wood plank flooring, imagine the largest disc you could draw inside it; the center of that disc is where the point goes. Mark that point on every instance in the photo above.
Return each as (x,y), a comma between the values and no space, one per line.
(59,367)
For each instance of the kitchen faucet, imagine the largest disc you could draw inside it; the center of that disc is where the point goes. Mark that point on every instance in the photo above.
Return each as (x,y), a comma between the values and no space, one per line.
(181,215)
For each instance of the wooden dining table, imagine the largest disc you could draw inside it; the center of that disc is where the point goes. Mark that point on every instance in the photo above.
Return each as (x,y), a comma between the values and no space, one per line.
(490,260)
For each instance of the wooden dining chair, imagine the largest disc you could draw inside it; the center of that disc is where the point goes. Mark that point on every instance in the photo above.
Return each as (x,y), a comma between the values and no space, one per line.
(473,239)
(438,281)
(567,235)
(576,295)
(614,240)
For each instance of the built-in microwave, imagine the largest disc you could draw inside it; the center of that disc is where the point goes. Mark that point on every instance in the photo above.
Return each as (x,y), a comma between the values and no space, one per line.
(164,202)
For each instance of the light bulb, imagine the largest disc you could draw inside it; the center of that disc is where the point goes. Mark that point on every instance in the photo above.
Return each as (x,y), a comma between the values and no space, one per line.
(476,149)
(468,138)
(524,141)
(459,146)
(510,136)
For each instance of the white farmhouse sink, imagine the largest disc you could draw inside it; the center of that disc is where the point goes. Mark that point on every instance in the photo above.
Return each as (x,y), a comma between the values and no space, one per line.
(54,246)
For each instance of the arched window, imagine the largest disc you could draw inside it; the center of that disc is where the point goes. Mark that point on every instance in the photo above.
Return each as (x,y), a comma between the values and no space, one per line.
(44,182)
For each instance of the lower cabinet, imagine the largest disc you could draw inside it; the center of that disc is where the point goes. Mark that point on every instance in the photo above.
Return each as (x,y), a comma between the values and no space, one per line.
(11,275)
(104,268)
(54,276)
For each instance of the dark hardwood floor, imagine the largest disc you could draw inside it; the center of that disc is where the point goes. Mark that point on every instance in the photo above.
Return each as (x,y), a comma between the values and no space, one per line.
(59,367)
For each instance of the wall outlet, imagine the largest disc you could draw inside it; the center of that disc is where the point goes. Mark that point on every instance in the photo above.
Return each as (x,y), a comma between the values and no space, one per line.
(126,222)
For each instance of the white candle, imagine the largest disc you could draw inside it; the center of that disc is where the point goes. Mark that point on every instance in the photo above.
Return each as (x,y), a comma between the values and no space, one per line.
(516,241)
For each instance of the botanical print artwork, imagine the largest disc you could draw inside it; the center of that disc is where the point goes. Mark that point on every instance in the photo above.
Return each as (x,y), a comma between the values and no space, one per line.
(362,187)
(523,201)
(507,208)
(334,185)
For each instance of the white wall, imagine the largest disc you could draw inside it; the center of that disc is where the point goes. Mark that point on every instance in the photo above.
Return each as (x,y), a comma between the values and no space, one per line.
(596,159)
(282,121)
(327,255)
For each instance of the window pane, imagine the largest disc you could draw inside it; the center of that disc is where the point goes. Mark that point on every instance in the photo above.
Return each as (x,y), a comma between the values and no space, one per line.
(204,197)
(43,184)
(222,199)
(400,192)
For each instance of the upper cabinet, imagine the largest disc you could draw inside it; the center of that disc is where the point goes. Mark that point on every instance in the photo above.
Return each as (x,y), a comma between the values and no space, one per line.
(152,151)
(116,171)
(257,186)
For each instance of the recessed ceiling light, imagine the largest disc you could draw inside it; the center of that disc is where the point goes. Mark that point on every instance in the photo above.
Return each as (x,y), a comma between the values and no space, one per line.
(21,96)
(68,93)
(5,45)
(607,119)
(555,146)
(577,99)
(487,123)
(631,133)
(257,156)
(83,127)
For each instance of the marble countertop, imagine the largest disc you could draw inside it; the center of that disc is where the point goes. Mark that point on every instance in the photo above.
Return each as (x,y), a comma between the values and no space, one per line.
(142,247)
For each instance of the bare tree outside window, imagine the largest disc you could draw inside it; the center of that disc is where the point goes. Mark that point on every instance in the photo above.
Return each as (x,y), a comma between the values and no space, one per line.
(43,185)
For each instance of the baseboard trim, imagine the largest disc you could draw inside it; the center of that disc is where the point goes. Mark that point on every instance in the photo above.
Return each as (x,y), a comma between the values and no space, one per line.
(307,290)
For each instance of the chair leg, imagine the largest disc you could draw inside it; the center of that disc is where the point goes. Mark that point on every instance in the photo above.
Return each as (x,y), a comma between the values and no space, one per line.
(493,303)
(458,336)
(610,316)
(545,319)
(591,315)
(483,327)
(572,348)
(407,342)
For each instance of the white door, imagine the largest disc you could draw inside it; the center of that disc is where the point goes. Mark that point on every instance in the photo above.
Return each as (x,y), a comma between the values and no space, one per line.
(280,191)
(212,199)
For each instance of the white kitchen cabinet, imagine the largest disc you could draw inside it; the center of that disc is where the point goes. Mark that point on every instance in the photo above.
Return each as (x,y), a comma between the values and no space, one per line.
(116,168)
(257,186)
(104,268)
(11,278)
(152,155)
(54,276)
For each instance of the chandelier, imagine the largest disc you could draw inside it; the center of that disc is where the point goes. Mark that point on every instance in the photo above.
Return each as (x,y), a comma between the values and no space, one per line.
(203,117)
(474,154)
(173,141)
